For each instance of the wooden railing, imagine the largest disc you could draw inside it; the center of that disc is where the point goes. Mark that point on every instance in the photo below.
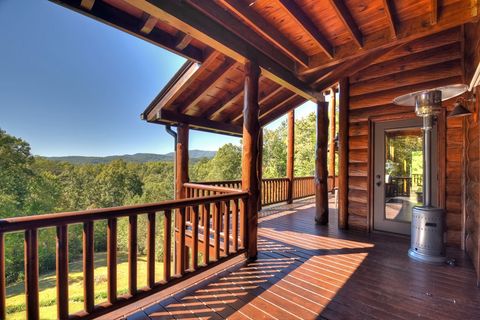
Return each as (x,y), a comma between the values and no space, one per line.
(273,190)
(303,187)
(207,228)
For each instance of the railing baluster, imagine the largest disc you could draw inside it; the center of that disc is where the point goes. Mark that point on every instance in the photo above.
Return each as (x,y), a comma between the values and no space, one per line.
(112,260)
(180,250)
(243,222)
(88,267)
(132,254)
(226,229)
(216,227)
(206,234)
(62,272)
(3,293)
(167,244)
(151,250)
(235,225)
(195,237)
(31,274)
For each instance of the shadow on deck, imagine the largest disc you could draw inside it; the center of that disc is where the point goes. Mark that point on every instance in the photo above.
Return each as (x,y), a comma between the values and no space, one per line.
(304,271)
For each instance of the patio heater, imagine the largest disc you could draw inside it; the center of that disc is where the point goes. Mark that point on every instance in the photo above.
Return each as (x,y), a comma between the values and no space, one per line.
(428,222)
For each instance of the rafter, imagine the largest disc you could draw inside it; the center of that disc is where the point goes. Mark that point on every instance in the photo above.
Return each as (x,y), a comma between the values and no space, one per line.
(306,23)
(182,81)
(390,12)
(87,4)
(183,16)
(223,104)
(261,101)
(207,84)
(434,8)
(345,15)
(183,40)
(260,25)
(459,13)
(280,109)
(148,23)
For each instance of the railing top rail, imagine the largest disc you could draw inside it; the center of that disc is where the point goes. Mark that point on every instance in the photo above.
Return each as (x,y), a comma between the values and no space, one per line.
(275,179)
(56,219)
(304,177)
(209,187)
(216,182)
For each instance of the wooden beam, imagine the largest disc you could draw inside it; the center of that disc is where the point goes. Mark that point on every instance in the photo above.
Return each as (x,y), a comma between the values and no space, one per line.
(204,28)
(290,153)
(108,14)
(321,174)
(250,178)
(260,168)
(391,13)
(148,23)
(171,117)
(344,14)
(331,138)
(308,26)
(453,15)
(183,40)
(343,154)
(434,9)
(260,25)
(262,100)
(207,84)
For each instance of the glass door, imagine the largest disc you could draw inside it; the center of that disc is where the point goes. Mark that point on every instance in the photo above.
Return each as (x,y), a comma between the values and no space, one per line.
(398,180)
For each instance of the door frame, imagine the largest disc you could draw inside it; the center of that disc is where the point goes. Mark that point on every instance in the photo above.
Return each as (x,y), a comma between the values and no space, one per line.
(441,161)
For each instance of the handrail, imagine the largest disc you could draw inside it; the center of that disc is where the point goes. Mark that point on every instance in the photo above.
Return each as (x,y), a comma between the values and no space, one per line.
(56,219)
(209,187)
(216,231)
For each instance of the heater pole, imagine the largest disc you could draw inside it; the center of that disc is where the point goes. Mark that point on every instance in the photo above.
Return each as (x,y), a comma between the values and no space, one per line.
(427,160)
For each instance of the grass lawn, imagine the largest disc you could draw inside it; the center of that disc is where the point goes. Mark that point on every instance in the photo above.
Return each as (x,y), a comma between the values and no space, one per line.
(48,304)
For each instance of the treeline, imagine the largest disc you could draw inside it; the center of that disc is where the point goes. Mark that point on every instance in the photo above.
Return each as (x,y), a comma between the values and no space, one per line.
(34,185)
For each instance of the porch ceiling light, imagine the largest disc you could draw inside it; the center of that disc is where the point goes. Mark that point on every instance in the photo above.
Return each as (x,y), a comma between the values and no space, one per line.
(459,111)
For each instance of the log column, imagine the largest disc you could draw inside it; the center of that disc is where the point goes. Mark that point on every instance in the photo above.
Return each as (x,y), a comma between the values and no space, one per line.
(343,155)
(331,139)
(181,177)
(321,173)
(290,153)
(260,168)
(250,165)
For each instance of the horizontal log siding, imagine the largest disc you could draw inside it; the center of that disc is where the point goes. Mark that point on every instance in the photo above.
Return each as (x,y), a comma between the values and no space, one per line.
(372,96)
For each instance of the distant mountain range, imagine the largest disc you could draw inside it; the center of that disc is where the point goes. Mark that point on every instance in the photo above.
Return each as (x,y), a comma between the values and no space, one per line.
(194,155)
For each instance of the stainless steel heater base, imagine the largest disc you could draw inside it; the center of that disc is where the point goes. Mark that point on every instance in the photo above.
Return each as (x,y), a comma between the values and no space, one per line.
(428,235)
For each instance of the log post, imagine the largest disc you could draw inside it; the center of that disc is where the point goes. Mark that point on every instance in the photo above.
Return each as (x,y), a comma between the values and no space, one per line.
(260,168)
(181,172)
(321,173)
(250,172)
(343,155)
(290,153)
(331,139)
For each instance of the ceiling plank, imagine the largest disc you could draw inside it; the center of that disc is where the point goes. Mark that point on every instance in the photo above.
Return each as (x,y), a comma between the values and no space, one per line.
(391,13)
(344,14)
(174,118)
(349,68)
(223,104)
(123,21)
(207,84)
(453,15)
(306,23)
(434,8)
(184,17)
(87,4)
(183,40)
(260,25)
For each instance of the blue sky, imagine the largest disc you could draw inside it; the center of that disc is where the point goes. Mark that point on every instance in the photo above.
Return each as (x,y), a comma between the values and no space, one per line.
(70,85)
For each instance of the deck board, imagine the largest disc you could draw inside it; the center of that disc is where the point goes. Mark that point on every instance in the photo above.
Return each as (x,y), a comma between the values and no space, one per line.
(304,271)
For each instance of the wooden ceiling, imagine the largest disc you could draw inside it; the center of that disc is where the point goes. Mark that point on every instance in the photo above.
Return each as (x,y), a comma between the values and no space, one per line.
(302,46)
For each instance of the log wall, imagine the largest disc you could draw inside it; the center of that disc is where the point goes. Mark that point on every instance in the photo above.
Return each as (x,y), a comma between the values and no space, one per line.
(371,93)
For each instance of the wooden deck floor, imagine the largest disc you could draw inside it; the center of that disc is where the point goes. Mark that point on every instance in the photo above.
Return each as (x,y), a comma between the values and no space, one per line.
(306,271)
